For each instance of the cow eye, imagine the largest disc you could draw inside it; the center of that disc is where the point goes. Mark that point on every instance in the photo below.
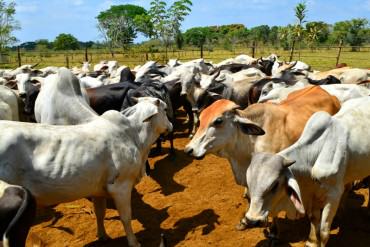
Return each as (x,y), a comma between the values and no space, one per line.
(218,121)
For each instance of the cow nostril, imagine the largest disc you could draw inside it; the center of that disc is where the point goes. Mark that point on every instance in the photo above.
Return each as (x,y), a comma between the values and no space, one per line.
(189,151)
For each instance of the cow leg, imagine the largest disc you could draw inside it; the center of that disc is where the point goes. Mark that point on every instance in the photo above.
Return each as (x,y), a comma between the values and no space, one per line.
(99,208)
(273,234)
(121,193)
(158,148)
(170,137)
(314,236)
(327,217)
(187,107)
(195,124)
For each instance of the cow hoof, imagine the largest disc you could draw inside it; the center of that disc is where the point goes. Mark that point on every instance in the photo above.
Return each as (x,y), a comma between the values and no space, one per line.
(134,244)
(191,136)
(241,226)
(310,244)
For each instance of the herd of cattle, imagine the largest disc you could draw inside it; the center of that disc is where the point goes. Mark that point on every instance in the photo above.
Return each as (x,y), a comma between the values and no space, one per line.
(295,138)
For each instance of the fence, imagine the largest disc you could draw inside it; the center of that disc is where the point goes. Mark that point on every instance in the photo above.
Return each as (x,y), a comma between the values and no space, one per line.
(319,58)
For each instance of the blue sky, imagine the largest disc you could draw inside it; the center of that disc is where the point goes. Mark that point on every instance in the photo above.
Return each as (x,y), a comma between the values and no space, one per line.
(48,18)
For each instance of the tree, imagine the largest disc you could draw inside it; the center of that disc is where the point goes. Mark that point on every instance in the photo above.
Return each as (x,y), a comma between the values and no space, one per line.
(167,21)
(119,24)
(260,33)
(298,29)
(198,36)
(66,42)
(274,35)
(42,45)
(8,24)
(353,32)
(321,28)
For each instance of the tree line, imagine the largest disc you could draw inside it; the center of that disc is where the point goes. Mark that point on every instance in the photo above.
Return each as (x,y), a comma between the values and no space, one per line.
(161,25)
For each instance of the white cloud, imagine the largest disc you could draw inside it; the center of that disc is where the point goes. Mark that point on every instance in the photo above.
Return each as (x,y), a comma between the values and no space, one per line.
(77,2)
(367,5)
(29,7)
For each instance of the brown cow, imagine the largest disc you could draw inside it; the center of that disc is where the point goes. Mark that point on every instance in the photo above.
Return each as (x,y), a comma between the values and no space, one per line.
(234,134)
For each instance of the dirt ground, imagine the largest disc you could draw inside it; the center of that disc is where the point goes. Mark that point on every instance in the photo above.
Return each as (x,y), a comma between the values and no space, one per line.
(194,203)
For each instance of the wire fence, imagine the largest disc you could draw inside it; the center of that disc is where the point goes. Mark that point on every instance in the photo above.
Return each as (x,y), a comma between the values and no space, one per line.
(320,58)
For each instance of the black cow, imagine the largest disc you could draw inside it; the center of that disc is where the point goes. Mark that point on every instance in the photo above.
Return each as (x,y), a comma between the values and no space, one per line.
(17,212)
(154,89)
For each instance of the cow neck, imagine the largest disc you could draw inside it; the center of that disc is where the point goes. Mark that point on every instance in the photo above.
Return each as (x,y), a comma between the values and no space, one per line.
(238,153)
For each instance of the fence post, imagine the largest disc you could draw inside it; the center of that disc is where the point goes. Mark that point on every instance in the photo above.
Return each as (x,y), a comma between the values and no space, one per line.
(19,56)
(339,51)
(253,48)
(146,56)
(67,61)
(86,57)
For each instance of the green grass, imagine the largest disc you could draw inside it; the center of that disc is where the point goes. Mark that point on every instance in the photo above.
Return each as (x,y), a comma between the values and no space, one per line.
(319,59)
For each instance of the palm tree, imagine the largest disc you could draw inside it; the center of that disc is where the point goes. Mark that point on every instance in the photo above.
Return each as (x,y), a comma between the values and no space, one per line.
(313,35)
(298,30)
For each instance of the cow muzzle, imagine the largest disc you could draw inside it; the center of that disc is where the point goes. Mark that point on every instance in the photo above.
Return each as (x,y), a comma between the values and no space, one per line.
(190,151)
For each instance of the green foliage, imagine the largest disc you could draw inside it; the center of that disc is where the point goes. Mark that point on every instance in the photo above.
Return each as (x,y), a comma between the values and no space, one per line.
(197,36)
(66,42)
(166,22)
(260,33)
(8,24)
(317,32)
(120,24)
(354,32)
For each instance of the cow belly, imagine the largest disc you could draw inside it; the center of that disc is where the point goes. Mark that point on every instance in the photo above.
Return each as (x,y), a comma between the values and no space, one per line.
(53,190)
(56,170)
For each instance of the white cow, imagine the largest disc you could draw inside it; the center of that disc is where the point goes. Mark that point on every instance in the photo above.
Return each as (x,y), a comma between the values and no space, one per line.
(62,101)
(8,104)
(243,59)
(343,92)
(332,151)
(354,76)
(102,158)
(91,82)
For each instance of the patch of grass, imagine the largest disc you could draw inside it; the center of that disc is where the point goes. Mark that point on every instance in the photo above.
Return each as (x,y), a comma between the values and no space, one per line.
(319,59)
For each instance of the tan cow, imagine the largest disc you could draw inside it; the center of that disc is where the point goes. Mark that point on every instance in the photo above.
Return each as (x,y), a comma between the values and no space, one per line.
(234,134)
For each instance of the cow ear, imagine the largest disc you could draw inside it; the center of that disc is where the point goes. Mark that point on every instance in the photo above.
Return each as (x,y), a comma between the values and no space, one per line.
(215,96)
(294,192)
(149,115)
(248,127)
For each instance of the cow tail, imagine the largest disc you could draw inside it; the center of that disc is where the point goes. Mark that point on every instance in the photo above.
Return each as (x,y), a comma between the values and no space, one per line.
(28,204)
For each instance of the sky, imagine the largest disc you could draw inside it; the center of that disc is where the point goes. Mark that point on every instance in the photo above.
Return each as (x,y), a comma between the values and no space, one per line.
(45,19)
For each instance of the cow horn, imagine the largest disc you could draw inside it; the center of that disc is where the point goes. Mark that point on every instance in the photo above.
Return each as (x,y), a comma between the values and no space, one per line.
(291,65)
(33,66)
(287,162)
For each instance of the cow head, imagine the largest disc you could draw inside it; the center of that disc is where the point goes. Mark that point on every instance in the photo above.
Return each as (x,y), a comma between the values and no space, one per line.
(154,112)
(33,91)
(23,80)
(220,124)
(188,77)
(270,185)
